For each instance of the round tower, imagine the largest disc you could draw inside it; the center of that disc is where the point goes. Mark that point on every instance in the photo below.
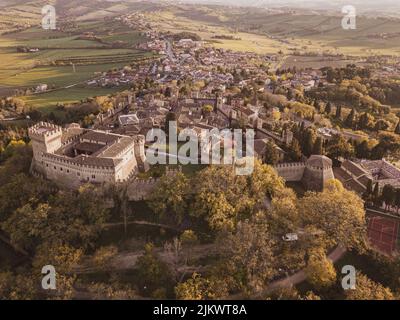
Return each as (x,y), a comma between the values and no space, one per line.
(317,172)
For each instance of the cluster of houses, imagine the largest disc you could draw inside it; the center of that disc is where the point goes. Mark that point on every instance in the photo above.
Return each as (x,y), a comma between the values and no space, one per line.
(211,106)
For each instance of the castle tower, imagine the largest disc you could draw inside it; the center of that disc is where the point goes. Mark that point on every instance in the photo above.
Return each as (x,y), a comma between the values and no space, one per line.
(46,138)
(140,153)
(317,172)
(218,102)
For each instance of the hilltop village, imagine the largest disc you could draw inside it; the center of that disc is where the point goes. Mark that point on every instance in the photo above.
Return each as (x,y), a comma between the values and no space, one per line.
(78,190)
(326,113)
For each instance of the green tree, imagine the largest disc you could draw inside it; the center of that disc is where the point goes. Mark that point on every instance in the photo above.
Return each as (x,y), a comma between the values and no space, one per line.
(338,213)
(339,147)
(362,150)
(349,122)
(63,257)
(295,150)
(389,144)
(199,288)
(18,287)
(171,116)
(320,270)
(318,148)
(367,289)
(317,105)
(338,114)
(328,108)
(152,273)
(207,108)
(169,197)
(366,121)
(397,199)
(111,291)
(381,124)
(76,217)
(388,195)
(104,255)
(271,155)
(222,198)
(309,140)
(368,192)
(249,254)
(376,198)
(397,129)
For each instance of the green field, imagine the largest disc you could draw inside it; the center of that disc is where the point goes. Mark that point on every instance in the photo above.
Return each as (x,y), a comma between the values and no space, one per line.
(47,102)
(110,46)
(59,76)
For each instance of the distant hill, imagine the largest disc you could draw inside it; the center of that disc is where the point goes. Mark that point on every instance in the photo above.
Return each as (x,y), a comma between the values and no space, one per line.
(370,6)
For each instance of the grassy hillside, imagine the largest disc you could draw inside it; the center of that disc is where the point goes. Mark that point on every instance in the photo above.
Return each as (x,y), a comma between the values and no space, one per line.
(260,30)
(93,46)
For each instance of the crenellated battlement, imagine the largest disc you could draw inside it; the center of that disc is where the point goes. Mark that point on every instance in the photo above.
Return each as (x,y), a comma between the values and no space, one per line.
(56,159)
(73,155)
(45,129)
(290,165)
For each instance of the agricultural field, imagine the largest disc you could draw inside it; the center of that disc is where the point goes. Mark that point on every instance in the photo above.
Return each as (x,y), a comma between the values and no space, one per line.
(46,102)
(260,31)
(66,58)
(169,21)
(59,76)
(314,62)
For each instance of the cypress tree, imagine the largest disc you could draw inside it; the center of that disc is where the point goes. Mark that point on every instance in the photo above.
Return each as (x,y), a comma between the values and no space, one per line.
(397,130)
(317,105)
(317,149)
(376,197)
(350,119)
(339,112)
(295,150)
(328,108)
(308,144)
(368,193)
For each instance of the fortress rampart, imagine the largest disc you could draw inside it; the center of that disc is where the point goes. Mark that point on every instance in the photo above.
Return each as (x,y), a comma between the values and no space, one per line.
(291,172)
(73,156)
(313,173)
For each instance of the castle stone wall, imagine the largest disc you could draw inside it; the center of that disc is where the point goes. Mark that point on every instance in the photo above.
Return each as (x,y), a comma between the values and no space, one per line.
(291,172)
(68,174)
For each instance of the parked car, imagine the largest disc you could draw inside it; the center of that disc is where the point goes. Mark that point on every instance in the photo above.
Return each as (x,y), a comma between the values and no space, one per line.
(290,237)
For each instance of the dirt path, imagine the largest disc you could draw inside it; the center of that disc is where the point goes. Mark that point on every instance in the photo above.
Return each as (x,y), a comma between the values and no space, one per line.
(128,259)
(141,222)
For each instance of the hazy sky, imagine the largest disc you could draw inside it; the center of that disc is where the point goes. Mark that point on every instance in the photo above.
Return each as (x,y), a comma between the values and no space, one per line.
(365,5)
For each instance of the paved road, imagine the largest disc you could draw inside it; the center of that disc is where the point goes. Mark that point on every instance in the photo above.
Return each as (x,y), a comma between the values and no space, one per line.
(170,52)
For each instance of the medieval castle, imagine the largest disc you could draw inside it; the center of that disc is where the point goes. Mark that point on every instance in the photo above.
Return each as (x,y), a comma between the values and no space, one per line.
(74,155)
(313,173)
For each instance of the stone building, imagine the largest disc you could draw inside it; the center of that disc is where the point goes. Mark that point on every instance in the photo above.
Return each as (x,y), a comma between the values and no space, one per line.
(313,173)
(74,155)
(355,175)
